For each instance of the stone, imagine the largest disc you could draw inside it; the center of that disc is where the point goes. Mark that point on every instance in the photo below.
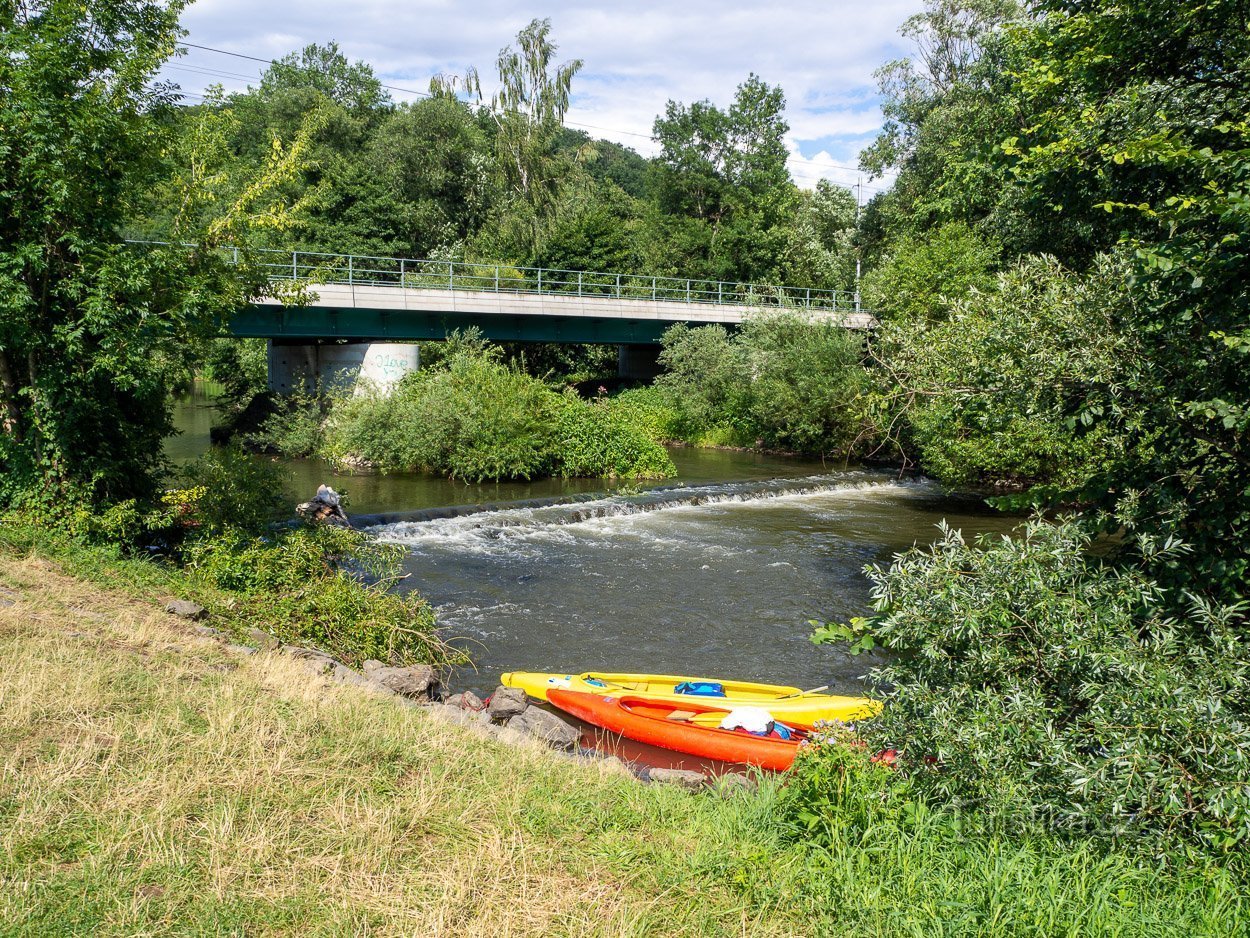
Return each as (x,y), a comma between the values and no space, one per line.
(615,764)
(420,681)
(325,666)
(323,508)
(471,701)
(262,639)
(733,783)
(241,649)
(209,632)
(506,703)
(296,651)
(454,700)
(449,714)
(510,736)
(547,727)
(186,610)
(683,778)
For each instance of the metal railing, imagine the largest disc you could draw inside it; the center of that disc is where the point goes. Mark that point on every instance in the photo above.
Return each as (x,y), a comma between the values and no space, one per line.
(413,273)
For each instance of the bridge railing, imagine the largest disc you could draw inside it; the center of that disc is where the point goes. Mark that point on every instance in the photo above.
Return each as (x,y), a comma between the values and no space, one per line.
(366,270)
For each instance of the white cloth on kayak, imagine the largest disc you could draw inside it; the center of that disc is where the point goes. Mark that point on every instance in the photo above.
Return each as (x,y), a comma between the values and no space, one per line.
(755,720)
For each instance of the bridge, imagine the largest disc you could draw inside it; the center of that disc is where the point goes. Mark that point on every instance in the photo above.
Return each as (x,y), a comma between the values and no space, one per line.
(361,315)
(381,299)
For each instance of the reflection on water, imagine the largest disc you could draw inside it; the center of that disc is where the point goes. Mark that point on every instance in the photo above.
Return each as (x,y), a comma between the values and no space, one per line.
(715,573)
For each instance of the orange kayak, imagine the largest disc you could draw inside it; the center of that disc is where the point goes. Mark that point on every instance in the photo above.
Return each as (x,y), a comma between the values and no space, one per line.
(690,727)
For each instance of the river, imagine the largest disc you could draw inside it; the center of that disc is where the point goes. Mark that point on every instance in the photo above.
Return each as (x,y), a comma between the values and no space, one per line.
(716,572)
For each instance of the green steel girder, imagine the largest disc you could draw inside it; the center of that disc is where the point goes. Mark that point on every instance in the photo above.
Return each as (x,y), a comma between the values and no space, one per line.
(389,325)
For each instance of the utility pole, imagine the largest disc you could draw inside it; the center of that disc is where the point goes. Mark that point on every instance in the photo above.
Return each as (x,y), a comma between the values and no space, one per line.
(859,194)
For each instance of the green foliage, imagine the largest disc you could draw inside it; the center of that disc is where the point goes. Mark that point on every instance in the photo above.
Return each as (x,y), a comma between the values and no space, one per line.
(422,186)
(472,416)
(1140,137)
(526,111)
(820,248)
(883,859)
(240,367)
(296,427)
(781,381)
(1034,684)
(323,585)
(228,490)
(837,794)
(94,332)
(923,276)
(650,409)
(603,439)
(1023,384)
(725,172)
(946,108)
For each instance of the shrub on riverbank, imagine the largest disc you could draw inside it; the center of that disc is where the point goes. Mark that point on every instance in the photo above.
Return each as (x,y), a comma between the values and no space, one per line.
(1031,684)
(213,542)
(781,382)
(474,417)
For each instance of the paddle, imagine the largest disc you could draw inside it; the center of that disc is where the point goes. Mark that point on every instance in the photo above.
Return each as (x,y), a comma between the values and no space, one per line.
(804,693)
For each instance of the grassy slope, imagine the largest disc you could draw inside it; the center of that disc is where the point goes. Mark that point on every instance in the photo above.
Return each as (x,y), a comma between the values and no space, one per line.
(151,784)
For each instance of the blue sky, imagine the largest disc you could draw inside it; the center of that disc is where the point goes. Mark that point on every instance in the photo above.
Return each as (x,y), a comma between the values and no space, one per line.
(637,56)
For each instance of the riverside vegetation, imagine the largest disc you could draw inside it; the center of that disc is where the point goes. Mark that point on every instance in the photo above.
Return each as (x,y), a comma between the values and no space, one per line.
(1059,275)
(150,781)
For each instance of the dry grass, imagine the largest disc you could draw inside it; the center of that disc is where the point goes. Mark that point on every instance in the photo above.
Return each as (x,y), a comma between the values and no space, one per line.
(150,782)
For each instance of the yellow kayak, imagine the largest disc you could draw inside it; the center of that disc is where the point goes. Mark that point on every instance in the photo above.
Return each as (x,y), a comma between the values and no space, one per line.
(785,703)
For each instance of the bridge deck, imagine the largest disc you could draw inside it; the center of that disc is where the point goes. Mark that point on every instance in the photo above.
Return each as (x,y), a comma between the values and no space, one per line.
(383,312)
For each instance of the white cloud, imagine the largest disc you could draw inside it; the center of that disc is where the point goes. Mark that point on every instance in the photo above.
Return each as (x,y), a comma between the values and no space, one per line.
(637,56)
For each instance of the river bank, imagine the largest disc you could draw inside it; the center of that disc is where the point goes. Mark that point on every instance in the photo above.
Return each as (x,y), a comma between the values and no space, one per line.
(152,781)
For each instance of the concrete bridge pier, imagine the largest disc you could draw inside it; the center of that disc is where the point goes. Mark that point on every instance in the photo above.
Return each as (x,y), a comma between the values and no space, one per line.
(640,362)
(361,366)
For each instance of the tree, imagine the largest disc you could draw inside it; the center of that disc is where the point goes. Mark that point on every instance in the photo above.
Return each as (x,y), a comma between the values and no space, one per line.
(1021,384)
(428,168)
(1140,138)
(326,71)
(528,113)
(93,330)
(820,244)
(923,276)
(945,109)
(726,170)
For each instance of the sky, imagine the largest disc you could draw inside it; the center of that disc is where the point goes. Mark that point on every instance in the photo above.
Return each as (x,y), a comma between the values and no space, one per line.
(637,56)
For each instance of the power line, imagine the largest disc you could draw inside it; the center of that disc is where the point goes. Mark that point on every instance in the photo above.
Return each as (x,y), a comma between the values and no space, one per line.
(425,94)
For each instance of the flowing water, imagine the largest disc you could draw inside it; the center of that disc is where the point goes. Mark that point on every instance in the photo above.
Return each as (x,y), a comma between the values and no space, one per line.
(715,573)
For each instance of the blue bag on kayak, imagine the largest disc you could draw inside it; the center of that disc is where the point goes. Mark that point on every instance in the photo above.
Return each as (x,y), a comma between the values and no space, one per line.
(700,688)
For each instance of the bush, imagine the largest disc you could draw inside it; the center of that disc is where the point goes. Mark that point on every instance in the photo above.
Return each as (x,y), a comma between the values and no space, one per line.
(321,586)
(296,428)
(924,277)
(1022,385)
(474,417)
(651,410)
(601,439)
(227,489)
(1034,684)
(782,381)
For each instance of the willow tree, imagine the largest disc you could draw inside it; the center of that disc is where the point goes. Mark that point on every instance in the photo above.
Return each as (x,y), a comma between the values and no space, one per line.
(93,331)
